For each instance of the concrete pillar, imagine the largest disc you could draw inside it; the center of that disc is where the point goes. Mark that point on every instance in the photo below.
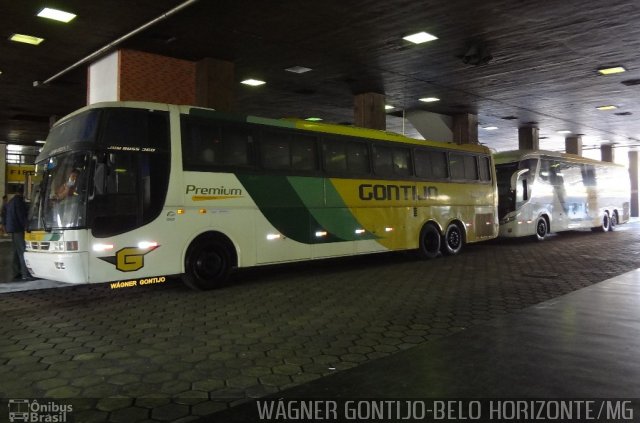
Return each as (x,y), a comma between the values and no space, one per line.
(633,175)
(465,128)
(369,111)
(528,138)
(129,75)
(215,83)
(607,153)
(573,145)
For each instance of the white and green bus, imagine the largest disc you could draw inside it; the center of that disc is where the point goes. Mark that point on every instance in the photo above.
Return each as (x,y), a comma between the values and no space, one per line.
(134,192)
(543,191)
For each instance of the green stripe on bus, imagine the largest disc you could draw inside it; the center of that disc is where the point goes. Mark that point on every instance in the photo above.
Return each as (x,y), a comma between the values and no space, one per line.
(334,215)
(284,209)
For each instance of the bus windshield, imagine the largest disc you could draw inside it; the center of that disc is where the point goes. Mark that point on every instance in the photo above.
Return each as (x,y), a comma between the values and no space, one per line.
(60,199)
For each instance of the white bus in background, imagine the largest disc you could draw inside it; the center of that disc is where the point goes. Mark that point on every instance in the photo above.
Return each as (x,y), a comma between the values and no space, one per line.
(542,191)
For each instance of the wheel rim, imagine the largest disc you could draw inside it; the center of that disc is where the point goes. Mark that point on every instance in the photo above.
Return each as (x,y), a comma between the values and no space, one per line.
(454,238)
(541,228)
(208,265)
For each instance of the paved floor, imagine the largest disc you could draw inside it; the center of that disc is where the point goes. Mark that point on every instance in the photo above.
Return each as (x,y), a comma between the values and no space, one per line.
(583,345)
(165,353)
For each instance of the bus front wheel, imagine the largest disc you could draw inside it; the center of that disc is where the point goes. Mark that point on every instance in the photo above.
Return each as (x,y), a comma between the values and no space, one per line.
(453,240)
(207,264)
(429,244)
(542,229)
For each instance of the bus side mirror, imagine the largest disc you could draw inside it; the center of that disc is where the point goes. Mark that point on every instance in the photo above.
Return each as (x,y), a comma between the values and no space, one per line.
(515,177)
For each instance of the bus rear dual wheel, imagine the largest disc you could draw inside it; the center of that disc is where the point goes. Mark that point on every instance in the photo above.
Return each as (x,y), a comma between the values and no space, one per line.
(432,243)
(607,223)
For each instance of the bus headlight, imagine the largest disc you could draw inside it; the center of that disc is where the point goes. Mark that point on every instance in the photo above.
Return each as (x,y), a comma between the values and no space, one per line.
(508,219)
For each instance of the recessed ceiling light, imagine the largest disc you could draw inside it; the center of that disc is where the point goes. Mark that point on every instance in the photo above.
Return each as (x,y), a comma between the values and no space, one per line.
(420,37)
(40,142)
(253,82)
(27,39)
(608,107)
(388,107)
(611,71)
(56,15)
(313,119)
(490,128)
(564,131)
(298,69)
(429,99)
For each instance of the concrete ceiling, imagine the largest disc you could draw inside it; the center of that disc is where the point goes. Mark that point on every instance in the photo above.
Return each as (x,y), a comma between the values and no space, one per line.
(543,69)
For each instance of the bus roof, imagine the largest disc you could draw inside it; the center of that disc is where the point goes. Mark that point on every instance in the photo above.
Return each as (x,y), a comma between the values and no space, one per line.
(329,128)
(517,155)
(291,123)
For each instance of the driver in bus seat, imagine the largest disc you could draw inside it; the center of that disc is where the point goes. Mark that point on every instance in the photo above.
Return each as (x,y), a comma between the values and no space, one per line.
(68,189)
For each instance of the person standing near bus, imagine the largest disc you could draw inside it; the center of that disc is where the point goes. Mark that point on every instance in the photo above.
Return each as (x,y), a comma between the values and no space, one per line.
(16,224)
(3,216)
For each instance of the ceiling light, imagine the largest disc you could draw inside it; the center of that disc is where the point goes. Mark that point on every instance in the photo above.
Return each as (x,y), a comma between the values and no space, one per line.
(429,99)
(40,142)
(610,71)
(56,15)
(609,107)
(388,107)
(27,39)
(564,131)
(253,82)
(298,69)
(313,119)
(420,37)
(490,128)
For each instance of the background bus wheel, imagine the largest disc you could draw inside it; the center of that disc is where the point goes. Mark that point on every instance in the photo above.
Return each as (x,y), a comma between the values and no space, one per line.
(207,264)
(542,229)
(604,226)
(453,240)
(613,221)
(429,245)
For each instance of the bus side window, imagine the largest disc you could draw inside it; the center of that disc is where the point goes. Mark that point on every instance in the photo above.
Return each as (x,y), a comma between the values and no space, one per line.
(470,168)
(431,164)
(456,164)
(235,145)
(382,160)
(358,158)
(334,157)
(402,162)
(303,153)
(484,168)
(274,150)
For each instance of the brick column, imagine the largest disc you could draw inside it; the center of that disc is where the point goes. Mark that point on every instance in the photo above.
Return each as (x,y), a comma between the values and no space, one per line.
(129,75)
(528,138)
(368,111)
(573,145)
(607,153)
(465,128)
(215,81)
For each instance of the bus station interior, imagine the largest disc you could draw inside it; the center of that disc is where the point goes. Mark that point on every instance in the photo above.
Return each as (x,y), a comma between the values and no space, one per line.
(506,318)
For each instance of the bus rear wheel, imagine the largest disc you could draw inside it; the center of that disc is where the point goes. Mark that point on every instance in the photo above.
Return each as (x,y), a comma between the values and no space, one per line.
(605,224)
(453,240)
(613,221)
(429,243)
(542,229)
(207,264)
